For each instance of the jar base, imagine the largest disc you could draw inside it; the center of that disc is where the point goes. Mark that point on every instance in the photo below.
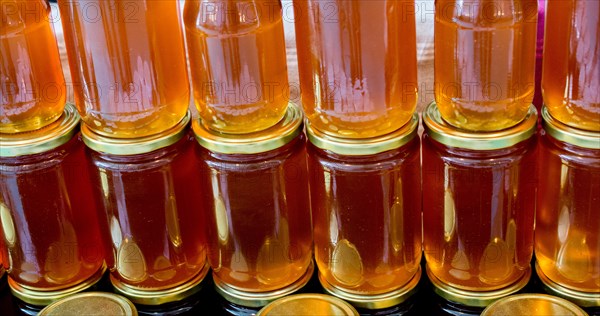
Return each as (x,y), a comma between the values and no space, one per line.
(475,298)
(163,296)
(40,297)
(580,298)
(260,299)
(375,301)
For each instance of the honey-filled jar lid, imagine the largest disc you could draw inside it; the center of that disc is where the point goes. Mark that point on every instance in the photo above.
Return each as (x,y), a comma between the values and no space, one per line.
(308,304)
(134,146)
(533,304)
(567,134)
(364,146)
(272,138)
(451,136)
(91,303)
(41,140)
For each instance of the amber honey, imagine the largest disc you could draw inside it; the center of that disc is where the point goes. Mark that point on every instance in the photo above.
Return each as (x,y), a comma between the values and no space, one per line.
(128,65)
(357,64)
(238,63)
(484,62)
(571,80)
(32,86)
(153,216)
(49,219)
(367,218)
(567,237)
(478,208)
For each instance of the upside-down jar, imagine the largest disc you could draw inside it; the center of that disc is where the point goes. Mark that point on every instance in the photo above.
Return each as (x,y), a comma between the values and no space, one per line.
(32,85)
(149,194)
(49,221)
(256,199)
(567,232)
(478,208)
(128,65)
(366,206)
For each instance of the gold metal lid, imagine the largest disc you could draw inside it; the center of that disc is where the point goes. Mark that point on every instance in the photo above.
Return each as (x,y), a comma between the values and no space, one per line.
(580,298)
(308,304)
(260,299)
(41,140)
(473,298)
(364,146)
(377,301)
(451,136)
(533,304)
(134,146)
(567,134)
(42,298)
(153,297)
(91,303)
(272,138)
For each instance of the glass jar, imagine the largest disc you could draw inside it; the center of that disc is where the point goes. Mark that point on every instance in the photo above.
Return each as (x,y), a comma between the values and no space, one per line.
(357,62)
(150,194)
(256,198)
(567,235)
(366,204)
(571,75)
(49,220)
(32,86)
(478,208)
(238,63)
(485,62)
(128,65)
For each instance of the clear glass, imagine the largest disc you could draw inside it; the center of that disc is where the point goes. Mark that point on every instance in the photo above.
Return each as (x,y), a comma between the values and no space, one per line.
(567,231)
(478,213)
(367,218)
(571,73)
(259,225)
(128,64)
(238,63)
(49,219)
(357,62)
(153,217)
(32,85)
(484,65)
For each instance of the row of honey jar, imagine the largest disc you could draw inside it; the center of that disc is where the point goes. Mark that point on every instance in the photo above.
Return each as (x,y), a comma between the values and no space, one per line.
(157,211)
(357,64)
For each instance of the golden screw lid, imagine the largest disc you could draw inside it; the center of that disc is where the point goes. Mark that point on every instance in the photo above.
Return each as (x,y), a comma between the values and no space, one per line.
(475,298)
(567,134)
(157,297)
(42,297)
(134,146)
(91,303)
(272,138)
(41,140)
(585,299)
(451,136)
(364,146)
(308,304)
(533,304)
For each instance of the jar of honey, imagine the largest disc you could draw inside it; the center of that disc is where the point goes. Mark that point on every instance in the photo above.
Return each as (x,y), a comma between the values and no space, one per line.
(357,62)
(478,208)
(32,86)
(128,65)
(238,63)
(567,232)
(366,206)
(485,62)
(571,72)
(149,192)
(49,220)
(258,212)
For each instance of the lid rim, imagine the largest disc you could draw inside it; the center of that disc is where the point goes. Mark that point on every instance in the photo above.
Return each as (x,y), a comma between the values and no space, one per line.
(571,135)
(451,136)
(127,306)
(576,310)
(341,304)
